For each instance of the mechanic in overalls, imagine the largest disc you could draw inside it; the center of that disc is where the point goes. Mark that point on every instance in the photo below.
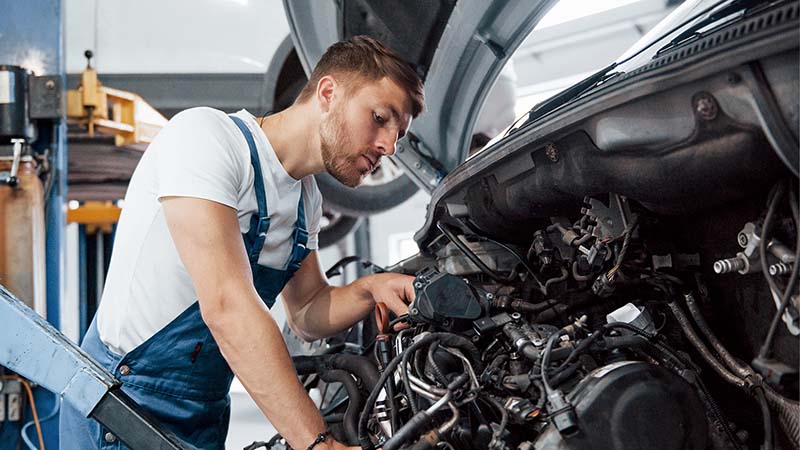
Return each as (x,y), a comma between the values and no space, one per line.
(222,215)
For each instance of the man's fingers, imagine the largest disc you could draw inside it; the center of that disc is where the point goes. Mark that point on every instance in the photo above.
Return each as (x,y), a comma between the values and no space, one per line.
(409,291)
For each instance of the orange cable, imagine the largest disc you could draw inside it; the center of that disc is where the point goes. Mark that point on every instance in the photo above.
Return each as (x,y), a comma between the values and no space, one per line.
(29,391)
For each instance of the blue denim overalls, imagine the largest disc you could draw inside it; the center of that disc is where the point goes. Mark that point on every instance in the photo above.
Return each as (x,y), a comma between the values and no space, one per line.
(179,375)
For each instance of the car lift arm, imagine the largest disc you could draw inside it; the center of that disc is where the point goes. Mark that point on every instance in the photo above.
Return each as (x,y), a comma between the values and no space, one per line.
(34,349)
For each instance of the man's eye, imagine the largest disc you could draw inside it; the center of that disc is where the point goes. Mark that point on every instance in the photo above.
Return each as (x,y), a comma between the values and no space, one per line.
(378,119)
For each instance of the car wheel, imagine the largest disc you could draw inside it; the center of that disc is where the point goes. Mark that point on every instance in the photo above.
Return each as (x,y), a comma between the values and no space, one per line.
(335,226)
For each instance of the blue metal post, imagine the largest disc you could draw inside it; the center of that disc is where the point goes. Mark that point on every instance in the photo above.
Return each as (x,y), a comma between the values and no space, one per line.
(32,37)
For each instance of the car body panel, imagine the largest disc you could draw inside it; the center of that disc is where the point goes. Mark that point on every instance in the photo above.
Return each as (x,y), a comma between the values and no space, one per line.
(663,119)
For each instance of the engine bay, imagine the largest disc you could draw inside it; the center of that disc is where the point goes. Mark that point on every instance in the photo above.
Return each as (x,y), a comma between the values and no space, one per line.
(617,328)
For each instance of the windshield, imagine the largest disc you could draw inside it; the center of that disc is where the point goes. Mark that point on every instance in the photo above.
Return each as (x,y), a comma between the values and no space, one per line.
(680,19)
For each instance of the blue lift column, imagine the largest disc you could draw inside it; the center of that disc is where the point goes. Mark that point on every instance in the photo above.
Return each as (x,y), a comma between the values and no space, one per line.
(33,38)
(32,103)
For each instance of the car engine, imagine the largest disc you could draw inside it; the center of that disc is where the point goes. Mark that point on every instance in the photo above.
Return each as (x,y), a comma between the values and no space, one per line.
(597,335)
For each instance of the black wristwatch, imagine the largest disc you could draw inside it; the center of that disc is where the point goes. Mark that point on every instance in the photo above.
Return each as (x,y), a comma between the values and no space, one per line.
(320,439)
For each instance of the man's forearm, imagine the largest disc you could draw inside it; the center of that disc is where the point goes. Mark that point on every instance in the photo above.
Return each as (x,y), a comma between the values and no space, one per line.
(252,344)
(333,309)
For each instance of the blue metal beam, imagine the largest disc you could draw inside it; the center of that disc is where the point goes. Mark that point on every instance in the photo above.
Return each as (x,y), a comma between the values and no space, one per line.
(33,348)
(32,37)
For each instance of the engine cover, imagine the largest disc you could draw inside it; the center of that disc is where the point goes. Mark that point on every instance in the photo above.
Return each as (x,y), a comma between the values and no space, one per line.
(445,300)
(632,405)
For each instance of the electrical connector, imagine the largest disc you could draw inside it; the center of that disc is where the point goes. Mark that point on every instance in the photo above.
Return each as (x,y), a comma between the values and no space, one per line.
(562,413)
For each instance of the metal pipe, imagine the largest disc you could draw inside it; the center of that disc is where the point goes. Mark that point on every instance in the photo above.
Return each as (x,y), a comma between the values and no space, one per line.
(452,422)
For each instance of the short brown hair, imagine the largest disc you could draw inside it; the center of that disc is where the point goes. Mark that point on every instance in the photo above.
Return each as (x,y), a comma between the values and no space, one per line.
(370,61)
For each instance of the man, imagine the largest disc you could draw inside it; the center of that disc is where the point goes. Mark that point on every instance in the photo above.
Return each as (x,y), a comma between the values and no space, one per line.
(222,215)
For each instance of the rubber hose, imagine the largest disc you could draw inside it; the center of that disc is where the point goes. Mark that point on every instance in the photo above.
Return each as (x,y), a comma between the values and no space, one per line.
(360,366)
(701,348)
(466,346)
(741,370)
(354,404)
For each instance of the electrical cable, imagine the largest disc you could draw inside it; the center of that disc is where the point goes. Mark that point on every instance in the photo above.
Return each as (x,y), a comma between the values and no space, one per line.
(775,196)
(522,261)
(495,442)
(787,293)
(50,415)
(766,417)
(363,435)
(452,237)
(625,243)
(548,349)
(29,392)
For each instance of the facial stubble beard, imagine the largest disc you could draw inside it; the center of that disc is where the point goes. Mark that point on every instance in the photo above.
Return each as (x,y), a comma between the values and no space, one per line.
(334,143)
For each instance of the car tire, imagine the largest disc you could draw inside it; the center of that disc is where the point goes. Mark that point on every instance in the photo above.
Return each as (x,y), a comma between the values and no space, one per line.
(365,200)
(335,227)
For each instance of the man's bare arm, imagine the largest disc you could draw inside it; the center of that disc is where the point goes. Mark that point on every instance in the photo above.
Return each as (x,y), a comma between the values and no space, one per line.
(207,237)
(315,309)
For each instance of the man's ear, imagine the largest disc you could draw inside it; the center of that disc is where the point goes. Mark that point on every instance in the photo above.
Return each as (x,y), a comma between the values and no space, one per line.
(325,92)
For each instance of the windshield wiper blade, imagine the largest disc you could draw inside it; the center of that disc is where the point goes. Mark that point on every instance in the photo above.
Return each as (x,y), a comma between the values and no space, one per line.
(570,93)
(690,33)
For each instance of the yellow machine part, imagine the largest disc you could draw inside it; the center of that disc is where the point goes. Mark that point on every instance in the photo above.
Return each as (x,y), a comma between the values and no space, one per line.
(22,236)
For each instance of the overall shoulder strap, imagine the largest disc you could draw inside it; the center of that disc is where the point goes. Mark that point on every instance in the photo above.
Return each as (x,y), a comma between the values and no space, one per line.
(259,223)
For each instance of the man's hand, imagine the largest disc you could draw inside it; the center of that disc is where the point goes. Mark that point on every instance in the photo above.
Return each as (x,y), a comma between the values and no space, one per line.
(393,289)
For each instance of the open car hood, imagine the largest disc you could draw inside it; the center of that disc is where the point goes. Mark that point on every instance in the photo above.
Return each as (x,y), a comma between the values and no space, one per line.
(458,47)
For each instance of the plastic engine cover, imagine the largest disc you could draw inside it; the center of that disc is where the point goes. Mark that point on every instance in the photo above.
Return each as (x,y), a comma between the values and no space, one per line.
(632,405)
(445,300)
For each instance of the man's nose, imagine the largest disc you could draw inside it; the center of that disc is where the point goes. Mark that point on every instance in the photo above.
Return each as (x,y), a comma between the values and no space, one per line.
(387,139)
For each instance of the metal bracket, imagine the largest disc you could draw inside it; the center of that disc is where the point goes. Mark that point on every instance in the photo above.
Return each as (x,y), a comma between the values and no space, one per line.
(612,220)
(424,171)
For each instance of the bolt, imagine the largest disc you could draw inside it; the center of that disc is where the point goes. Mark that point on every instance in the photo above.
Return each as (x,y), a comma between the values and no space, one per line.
(706,106)
(551,151)
(417,165)
(729,265)
(742,239)
(489,296)
(413,311)
(400,148)
(476,338)
(50,84)
(418,285)
(779,269)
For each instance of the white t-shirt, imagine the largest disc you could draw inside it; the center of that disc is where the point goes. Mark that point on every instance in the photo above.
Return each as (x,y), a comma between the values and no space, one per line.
(200,153)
